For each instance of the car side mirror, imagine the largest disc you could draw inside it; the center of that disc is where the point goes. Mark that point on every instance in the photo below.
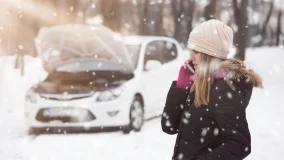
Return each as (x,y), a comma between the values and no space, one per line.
(152,64)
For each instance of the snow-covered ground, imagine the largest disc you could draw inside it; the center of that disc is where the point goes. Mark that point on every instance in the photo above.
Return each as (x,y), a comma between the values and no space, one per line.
(264,115)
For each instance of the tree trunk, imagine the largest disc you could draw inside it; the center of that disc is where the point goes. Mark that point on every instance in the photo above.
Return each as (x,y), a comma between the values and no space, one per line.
(177,16)
(190,12)
(159,24)
(279,26)
(265,23)
(209,11)
(144,19)
(241,19)
(111,14)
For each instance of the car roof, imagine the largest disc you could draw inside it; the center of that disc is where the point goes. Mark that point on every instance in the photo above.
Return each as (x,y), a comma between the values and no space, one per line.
(136,39)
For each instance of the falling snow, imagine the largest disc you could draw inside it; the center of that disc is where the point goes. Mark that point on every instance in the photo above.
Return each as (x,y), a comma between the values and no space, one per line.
(229,95)
(180,156)
(204,132)
(168,123)
(266,132)
(216,131)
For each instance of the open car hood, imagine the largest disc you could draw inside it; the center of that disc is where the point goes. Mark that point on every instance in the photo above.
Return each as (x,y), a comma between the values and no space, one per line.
(58,45)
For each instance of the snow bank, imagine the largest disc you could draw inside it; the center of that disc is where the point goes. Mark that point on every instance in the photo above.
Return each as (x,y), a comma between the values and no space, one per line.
(265,117)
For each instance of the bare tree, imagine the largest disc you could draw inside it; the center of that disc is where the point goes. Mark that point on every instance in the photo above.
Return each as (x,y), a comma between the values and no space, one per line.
(279,26)
(159,24)
(144,18)
(241,18)
(190,11)
(210,9)
(178,10)
(111,13)
(265,23)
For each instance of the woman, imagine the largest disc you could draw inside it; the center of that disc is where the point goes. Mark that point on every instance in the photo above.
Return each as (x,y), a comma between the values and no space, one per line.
(207,108)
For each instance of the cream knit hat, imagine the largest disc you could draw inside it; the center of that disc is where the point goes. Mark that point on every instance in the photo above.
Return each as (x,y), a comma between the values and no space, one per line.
(211,37)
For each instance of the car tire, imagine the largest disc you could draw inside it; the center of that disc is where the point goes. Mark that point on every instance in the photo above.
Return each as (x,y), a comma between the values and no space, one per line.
(35,131)
(136,116)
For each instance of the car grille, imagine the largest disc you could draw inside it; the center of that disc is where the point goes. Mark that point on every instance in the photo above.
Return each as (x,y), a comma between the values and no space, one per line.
(84,115)
(62,97)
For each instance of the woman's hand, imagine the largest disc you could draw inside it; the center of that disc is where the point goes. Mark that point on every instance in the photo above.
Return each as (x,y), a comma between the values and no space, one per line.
(183,80)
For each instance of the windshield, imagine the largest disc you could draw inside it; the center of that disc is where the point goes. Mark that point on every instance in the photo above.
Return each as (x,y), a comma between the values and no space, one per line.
(134,51)
(90,65)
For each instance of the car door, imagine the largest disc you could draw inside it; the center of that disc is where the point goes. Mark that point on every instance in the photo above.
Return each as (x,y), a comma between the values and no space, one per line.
(151,78)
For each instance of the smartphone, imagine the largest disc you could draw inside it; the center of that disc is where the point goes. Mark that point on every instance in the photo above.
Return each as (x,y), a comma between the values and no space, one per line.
(190,66)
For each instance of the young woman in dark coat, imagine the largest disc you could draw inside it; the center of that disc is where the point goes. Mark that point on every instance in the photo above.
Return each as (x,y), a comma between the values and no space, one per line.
(207,108)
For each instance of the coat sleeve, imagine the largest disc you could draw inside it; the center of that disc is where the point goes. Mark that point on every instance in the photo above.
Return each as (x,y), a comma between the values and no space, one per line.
(229,112)
(173,109)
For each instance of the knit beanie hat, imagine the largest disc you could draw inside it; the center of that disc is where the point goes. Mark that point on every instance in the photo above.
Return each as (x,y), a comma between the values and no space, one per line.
(211,37)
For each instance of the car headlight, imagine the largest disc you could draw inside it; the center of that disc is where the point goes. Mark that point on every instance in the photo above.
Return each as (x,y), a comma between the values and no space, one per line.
(30,96)
(110,94)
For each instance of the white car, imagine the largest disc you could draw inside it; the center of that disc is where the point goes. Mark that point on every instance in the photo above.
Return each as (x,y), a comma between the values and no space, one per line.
(100,80)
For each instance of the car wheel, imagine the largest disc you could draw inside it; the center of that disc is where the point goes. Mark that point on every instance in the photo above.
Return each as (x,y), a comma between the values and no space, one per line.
(35,131)
(136,116)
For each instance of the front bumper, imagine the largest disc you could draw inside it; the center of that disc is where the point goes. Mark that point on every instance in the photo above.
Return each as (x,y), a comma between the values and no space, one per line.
(88,113)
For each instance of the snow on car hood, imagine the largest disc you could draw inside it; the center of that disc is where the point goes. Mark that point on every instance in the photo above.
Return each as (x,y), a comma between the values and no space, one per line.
(58,45)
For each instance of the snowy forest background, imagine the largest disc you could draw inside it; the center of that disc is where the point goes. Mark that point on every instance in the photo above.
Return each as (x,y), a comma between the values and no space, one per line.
(255,22)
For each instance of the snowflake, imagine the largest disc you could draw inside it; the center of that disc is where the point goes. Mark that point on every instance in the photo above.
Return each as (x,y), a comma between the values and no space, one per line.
(201,118)
(180,156)
(187,114)
(20,47)
(204,132)
(201,140)
(168,123)
(246,149)
(229,95)
(209,149)
(216,131)
(185,121)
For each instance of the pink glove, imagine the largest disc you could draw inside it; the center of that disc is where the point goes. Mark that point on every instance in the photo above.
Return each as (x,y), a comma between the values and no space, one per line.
(184,80)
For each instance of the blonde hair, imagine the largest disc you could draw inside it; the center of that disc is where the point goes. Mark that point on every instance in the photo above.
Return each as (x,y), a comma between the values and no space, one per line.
(205,77)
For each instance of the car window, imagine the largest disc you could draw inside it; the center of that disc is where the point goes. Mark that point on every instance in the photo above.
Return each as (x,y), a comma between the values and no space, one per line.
(134,51)
(90,65)
(154,52)
(169,51)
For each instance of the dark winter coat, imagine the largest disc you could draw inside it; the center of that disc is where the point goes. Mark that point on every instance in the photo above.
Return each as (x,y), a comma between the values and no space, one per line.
(218,131)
